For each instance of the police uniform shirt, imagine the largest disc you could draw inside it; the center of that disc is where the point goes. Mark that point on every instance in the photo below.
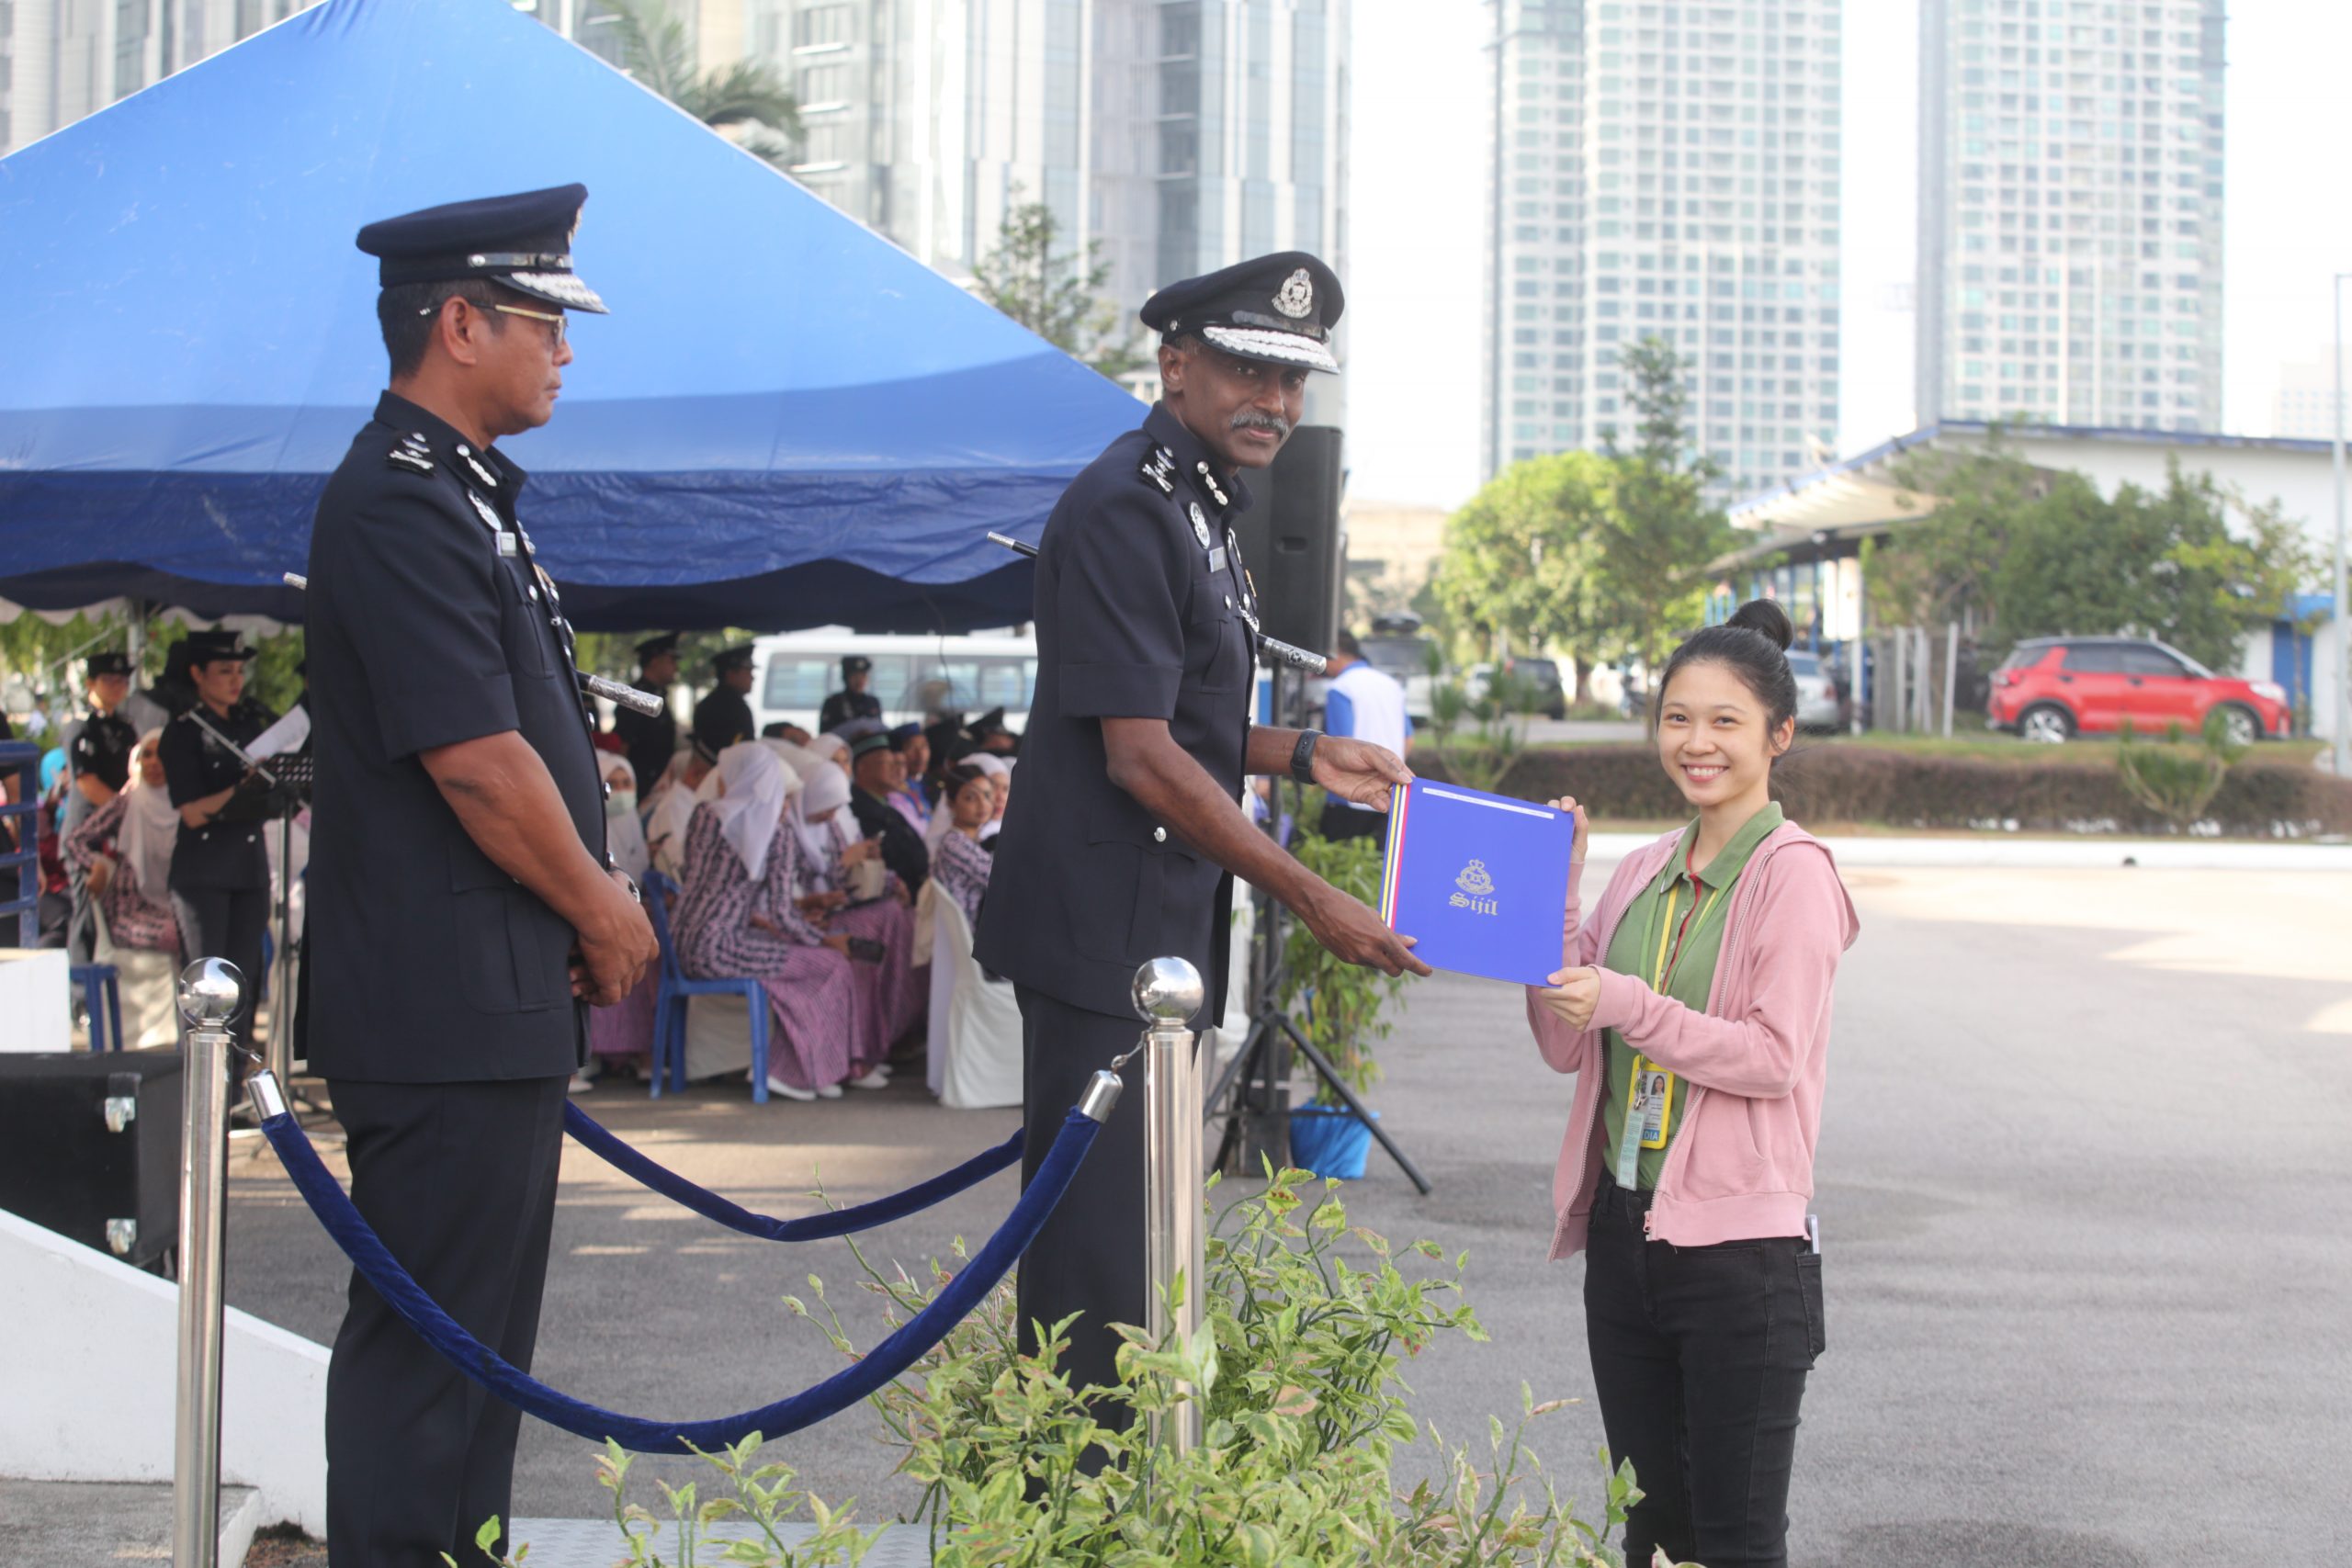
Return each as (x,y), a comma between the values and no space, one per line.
(1141,612)
(429,624)
(847,707)
(99,745)
(723,718)
(227,851)
(650,740)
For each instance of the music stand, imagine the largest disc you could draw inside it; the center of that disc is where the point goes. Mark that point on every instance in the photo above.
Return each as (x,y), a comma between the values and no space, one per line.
(1261,1067)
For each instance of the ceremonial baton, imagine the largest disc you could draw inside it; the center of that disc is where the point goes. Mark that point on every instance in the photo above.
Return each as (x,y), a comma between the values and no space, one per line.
(613,692)
(1289,653)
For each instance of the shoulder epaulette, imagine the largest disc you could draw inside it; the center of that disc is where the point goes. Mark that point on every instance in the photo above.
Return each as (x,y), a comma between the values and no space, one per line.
(414,462)
(1159,467)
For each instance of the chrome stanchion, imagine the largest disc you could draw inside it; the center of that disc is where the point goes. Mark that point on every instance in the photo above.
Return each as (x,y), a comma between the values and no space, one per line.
(212,991)
(1168,992)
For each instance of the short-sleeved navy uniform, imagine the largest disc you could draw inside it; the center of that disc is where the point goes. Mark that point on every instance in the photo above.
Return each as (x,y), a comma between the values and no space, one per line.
(433,966)
(1142,612)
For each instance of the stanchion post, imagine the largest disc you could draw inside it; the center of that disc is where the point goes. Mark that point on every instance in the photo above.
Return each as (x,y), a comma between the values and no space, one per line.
(1168,993)
(211,990)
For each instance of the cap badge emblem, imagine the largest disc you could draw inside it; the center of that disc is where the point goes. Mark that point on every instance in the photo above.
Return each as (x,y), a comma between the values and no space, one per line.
(1200,525)
(1296,296)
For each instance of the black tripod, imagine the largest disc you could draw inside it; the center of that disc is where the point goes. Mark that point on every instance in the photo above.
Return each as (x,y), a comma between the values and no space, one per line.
(1260,1104)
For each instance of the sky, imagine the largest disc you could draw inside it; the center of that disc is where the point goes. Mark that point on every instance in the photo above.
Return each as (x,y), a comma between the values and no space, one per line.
(1416,253)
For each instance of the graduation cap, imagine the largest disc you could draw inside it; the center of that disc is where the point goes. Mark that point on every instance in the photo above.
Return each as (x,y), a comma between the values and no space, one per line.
(523,240)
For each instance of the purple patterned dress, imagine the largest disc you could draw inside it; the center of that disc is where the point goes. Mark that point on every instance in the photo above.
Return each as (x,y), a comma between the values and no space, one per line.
(890,991)
(810,988)
(961,868)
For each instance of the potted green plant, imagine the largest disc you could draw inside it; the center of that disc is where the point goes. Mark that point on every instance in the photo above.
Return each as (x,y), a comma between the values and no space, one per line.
(1343,1009)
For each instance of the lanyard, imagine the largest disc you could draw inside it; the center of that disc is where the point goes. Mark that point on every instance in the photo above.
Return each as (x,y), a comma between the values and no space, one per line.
(1662,966)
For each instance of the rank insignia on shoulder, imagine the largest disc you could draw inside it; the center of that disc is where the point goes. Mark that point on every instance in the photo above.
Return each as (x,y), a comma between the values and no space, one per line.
(489,479)
(1159,467)
(401,458)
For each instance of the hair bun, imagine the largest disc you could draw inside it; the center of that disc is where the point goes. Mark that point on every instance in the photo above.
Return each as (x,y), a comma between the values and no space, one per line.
(1767,620)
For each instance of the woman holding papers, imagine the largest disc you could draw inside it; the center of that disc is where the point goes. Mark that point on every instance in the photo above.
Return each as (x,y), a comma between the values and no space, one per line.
(1693,1006)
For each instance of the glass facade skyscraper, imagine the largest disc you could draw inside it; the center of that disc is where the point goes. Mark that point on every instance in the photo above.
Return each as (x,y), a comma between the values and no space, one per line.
(1668,169)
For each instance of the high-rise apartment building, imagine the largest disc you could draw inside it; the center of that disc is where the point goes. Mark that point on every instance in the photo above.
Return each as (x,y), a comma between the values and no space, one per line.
(1180,135)
(2070,212)
(1668,169)
(2304,405)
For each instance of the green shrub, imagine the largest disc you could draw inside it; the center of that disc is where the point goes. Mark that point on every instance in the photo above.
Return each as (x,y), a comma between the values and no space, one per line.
(1834,784)
(1343,1008)
(1309,1322)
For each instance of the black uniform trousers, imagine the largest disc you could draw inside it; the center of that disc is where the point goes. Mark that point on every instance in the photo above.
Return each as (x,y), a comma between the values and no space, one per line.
(1090,1257)
(227,922)
(459,1181)
(1699,1357)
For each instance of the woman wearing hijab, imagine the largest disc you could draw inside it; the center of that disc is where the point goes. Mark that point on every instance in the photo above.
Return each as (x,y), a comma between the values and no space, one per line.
(959,864)
(624,1033)
(125,849)
(830,848)
(737,915)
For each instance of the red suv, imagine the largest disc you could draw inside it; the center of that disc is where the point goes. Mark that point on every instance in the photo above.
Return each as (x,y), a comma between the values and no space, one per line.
(2052,688)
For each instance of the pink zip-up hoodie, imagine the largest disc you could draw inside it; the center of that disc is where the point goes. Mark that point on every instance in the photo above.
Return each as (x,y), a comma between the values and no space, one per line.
(1741,1163)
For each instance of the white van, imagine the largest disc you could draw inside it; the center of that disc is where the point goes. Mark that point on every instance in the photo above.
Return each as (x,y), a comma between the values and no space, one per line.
(916,678)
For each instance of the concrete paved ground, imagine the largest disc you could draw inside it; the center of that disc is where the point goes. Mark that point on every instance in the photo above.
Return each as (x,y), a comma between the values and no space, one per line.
(2083,1185)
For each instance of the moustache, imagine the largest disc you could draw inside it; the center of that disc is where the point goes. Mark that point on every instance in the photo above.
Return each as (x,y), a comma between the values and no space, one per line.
(1251,419)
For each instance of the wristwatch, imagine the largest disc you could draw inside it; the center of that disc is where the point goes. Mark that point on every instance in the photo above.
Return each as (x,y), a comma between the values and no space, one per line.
(1302,756)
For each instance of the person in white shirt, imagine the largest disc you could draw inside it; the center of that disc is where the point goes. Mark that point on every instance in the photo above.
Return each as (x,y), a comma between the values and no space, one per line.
(1370,705)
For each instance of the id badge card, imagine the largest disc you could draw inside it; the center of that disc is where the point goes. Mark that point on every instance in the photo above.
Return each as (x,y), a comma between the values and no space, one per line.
(1651,1106)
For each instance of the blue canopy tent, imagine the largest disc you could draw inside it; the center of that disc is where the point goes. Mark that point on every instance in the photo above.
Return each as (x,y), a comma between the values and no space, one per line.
(785,421)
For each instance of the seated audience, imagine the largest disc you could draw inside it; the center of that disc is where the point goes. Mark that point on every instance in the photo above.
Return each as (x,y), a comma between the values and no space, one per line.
(876,771)
(622,1034)
(999,772)
(739,915)
(830,853)
(912,797)
(690,775)
(784,731)
(124,847)
(960,862)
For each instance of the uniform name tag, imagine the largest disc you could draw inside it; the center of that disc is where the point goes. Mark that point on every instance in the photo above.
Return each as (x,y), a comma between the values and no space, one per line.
(1216,558)
(505,543)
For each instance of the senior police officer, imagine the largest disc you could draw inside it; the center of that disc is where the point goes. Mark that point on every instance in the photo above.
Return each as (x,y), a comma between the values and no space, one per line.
(97,763)
(650,738)
(1123,841)
(723,718)
(853,701)
(462,907)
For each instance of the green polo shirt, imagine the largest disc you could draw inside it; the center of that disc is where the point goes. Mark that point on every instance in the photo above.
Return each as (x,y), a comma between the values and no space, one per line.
(1635,950)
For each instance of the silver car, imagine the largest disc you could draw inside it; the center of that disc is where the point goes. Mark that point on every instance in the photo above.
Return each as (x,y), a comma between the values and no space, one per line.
(1816,696)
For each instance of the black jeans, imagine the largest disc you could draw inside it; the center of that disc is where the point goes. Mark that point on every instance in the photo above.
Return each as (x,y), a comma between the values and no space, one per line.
(1700,1356)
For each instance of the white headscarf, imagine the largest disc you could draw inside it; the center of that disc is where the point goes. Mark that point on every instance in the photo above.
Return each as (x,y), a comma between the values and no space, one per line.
(799,758)
(748,813)
(827,789)
(625,834)
(151,825)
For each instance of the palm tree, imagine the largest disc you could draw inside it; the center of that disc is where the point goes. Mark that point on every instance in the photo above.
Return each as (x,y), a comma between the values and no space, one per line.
(748,97)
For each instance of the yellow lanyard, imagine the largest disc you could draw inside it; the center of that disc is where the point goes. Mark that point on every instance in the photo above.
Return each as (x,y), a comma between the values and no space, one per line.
(1662,968)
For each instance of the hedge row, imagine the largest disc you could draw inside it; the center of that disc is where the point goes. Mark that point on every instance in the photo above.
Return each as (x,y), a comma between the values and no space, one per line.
(1837,784)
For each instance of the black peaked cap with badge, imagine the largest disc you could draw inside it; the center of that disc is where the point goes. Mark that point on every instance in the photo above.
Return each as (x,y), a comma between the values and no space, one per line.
(522,240)
(1279,309)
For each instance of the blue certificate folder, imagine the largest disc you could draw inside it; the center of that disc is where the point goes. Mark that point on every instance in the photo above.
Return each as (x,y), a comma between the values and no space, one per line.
(1479,881)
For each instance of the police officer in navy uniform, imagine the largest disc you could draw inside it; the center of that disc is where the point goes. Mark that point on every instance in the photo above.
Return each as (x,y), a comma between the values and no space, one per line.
(97,747)
(650,738)
(463,909)
(723,718)
(1123,841)
(220,876)
(853,701)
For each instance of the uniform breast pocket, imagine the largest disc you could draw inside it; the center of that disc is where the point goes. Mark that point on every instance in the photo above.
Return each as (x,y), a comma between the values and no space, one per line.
(523,628)
(1216,653)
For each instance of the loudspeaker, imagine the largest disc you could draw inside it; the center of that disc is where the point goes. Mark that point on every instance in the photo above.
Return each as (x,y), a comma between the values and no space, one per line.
(1290,539)
(90,1147)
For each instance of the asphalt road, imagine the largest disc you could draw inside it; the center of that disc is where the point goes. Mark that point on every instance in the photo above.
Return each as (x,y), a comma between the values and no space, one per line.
(2082,1187)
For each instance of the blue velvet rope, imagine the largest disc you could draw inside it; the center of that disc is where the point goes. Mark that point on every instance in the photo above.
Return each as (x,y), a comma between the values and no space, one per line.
(885,1362)
(600,1140)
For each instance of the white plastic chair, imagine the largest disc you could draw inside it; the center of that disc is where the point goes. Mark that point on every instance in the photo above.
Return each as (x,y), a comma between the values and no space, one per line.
(974,1034)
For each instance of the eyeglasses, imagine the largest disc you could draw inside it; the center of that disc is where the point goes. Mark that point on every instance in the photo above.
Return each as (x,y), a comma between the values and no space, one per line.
(554,318)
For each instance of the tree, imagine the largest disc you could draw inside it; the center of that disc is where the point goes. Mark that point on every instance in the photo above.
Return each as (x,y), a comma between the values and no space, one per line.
(1052,291)
(748,97)
(1660,530)
(1522,557)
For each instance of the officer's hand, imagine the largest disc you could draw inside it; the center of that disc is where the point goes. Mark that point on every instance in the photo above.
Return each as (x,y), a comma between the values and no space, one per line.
(614,952)
(1354,931)
(1358,771)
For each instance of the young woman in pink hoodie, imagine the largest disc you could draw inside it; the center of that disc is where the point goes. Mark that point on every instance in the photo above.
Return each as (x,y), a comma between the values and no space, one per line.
(1693,1007)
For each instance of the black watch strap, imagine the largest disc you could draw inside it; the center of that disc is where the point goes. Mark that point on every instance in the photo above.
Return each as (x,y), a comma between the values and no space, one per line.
(1302,756)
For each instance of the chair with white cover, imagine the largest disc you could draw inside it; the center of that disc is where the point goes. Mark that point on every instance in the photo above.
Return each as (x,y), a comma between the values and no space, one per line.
(147,979)
(975,1037)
